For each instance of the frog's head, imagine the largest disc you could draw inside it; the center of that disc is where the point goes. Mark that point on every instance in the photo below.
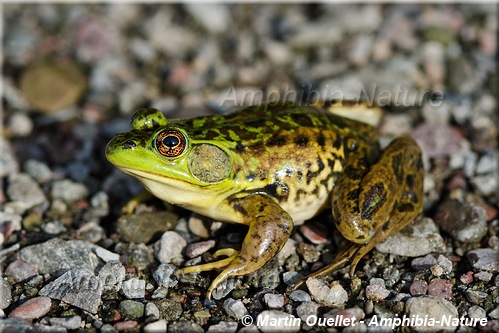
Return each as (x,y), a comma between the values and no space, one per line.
(171,165)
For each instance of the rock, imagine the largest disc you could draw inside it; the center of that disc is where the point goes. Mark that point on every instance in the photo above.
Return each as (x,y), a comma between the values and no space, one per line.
(266,322)
(445,263)
(476,312)
(126,325)
(164,275)
(267,276)
(334,296)
(185,326)
(376,292)
(300,296)
(484,259)
(151,310)
(70,323)
(136,255)
(32,309)
(169,247)
(308,252)
(423,262)
(439,140)
(235,308)
(391,275)
(314,232)
(145,227)
(8,161)
(440,288)
(157,326)
(197,249)
(214,17)
(50,86)
(418,287)
(131,309)
(9,222)
(134,288)
(222,327)
(20,271)
(306,310)
(197,225)
(476,296)
(274,301)
(111,275)
(484,276)
(465,222)
(106,255)
(77,288)
(23,189)
(431,307)
(5,293)
(57,254)
(350,313)
(169,309)
(15,325)
(53,228)
(39,171)
(224,288)
(68,190)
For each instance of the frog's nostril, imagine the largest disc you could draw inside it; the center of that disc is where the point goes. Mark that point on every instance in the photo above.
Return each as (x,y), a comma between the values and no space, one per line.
(129,144)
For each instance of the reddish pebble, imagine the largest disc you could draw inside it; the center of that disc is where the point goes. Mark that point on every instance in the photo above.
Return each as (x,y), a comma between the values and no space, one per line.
(20,271)
(125,325)
(467,278)
(314,232)
(440,288)
(418,287)
(32,309)
(375,292)
(197,249)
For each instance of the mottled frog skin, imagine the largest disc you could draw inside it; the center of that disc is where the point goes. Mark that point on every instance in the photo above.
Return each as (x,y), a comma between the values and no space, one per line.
(268,165)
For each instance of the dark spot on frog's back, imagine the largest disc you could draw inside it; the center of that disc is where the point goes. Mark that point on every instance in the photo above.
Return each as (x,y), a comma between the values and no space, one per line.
(276,140)
(239,208)
(240,147)
(375,198)
(129,144)
(301,140)
(397,168)
(321,140)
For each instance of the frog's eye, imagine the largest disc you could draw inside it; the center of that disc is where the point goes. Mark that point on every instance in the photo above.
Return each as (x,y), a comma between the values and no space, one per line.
(170,143)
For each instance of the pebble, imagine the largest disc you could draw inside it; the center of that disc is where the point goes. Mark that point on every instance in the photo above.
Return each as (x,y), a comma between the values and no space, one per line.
(432,307)
(235,308)
(106,255)
(391,275)
(476,312)
(169,247)
(77,288)
(197,225)
(289,323)
(444,263)
(157,326)
(494,313)
(376,292)
(9,222)
(439,140)
(467,278)
(145,226)
(315,232)
(111,275)
(476,296)
(423,262)
(8,161)
(32,309)
(440,288)
(23,189)
(436,270)
(300,296)
(274,301)
(197,249)
(126,325)
(164,275)
(184,326)
(225,288)
(290,278)
(131,309)
(20,271)
(222,327)
(486,184)
(70,323)
(39,171)
(484,259)
(308,252)
(215,18)
(417,239)
(68,190)
(57,254)
(53,228)
(484,276)
(465,222)
(134,288)
(418,287)
(5,293)
(107,328)
(334,296)
(306,310)
(151,310)
(349,313)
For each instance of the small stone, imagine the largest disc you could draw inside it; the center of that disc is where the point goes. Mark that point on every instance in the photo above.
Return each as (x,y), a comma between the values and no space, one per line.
(354,314)
(306,310)
(488,163)
(70,323)
(145,226)
(112,274)
(164,275)
(417,239)
(77,288)
(224,288)
(391,275)
(418,287)
(334,296)
(494,313)
(484,276)
(467,278)
(444,263)
(290,278)
(5,293)
(151,310)
(436,270)
(106,255)
(157,326)
(32,309)
(131,309)
(68,190)
(274,301)
(38,170)
(197,225)
(476,296)
(107,328)
(215,18)
(22,188)
(169,247)
(222,327)
(185,326)
(20,271)
(308,252)
(235,308)
(289,322)
(9,222)
(484,259)
(423,262)
(126,325)
(440,288)
(300,296)
(431,307)
(376,292)
(314,232)
(134,288)
(8,160)
(197,249)
(476,312)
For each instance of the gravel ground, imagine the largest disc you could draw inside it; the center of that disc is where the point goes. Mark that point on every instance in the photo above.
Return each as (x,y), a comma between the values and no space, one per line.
(74,74)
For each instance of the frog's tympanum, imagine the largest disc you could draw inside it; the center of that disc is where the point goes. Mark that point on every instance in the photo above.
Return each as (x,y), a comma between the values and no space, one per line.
(268,165)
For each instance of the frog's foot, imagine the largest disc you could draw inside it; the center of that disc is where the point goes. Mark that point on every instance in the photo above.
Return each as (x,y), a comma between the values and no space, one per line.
(230,253)
(130,206)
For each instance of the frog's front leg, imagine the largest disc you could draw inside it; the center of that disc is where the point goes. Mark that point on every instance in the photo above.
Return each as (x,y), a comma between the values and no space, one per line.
(373,202)
(269,229)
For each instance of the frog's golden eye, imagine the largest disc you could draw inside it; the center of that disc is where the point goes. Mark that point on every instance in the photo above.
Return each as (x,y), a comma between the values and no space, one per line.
(170,143)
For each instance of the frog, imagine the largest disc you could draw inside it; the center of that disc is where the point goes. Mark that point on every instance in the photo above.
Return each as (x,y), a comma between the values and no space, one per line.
(269,165)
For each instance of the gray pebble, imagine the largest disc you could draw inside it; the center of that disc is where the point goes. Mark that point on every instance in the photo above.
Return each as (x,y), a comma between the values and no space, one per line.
(419,238)
(105,254)
(112,274)
(290,278)
(494,313)
(235,308)
(445,263)
(20,271)
(476,296)
(484,259)
(164,275)
(197,249)
(223,326)
(300,296)
(274,301)
(483,276)
(107,328)
(184,326)
(488,163)
(476,312)
(77,288)
(293,325)
(157,326)
(68,190)
(23,189)
(215,18)
(307,309)
(5,294)
(432,307)
(39,171)
(423,262)
(70,323)
(391,275)
(53,228)
(224,288)
(486,184)
(134,288)
(131,309)
(376,292)
(466,222)
(169,247)
(8,161)
(145,226)
(329,296)
(151,310)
